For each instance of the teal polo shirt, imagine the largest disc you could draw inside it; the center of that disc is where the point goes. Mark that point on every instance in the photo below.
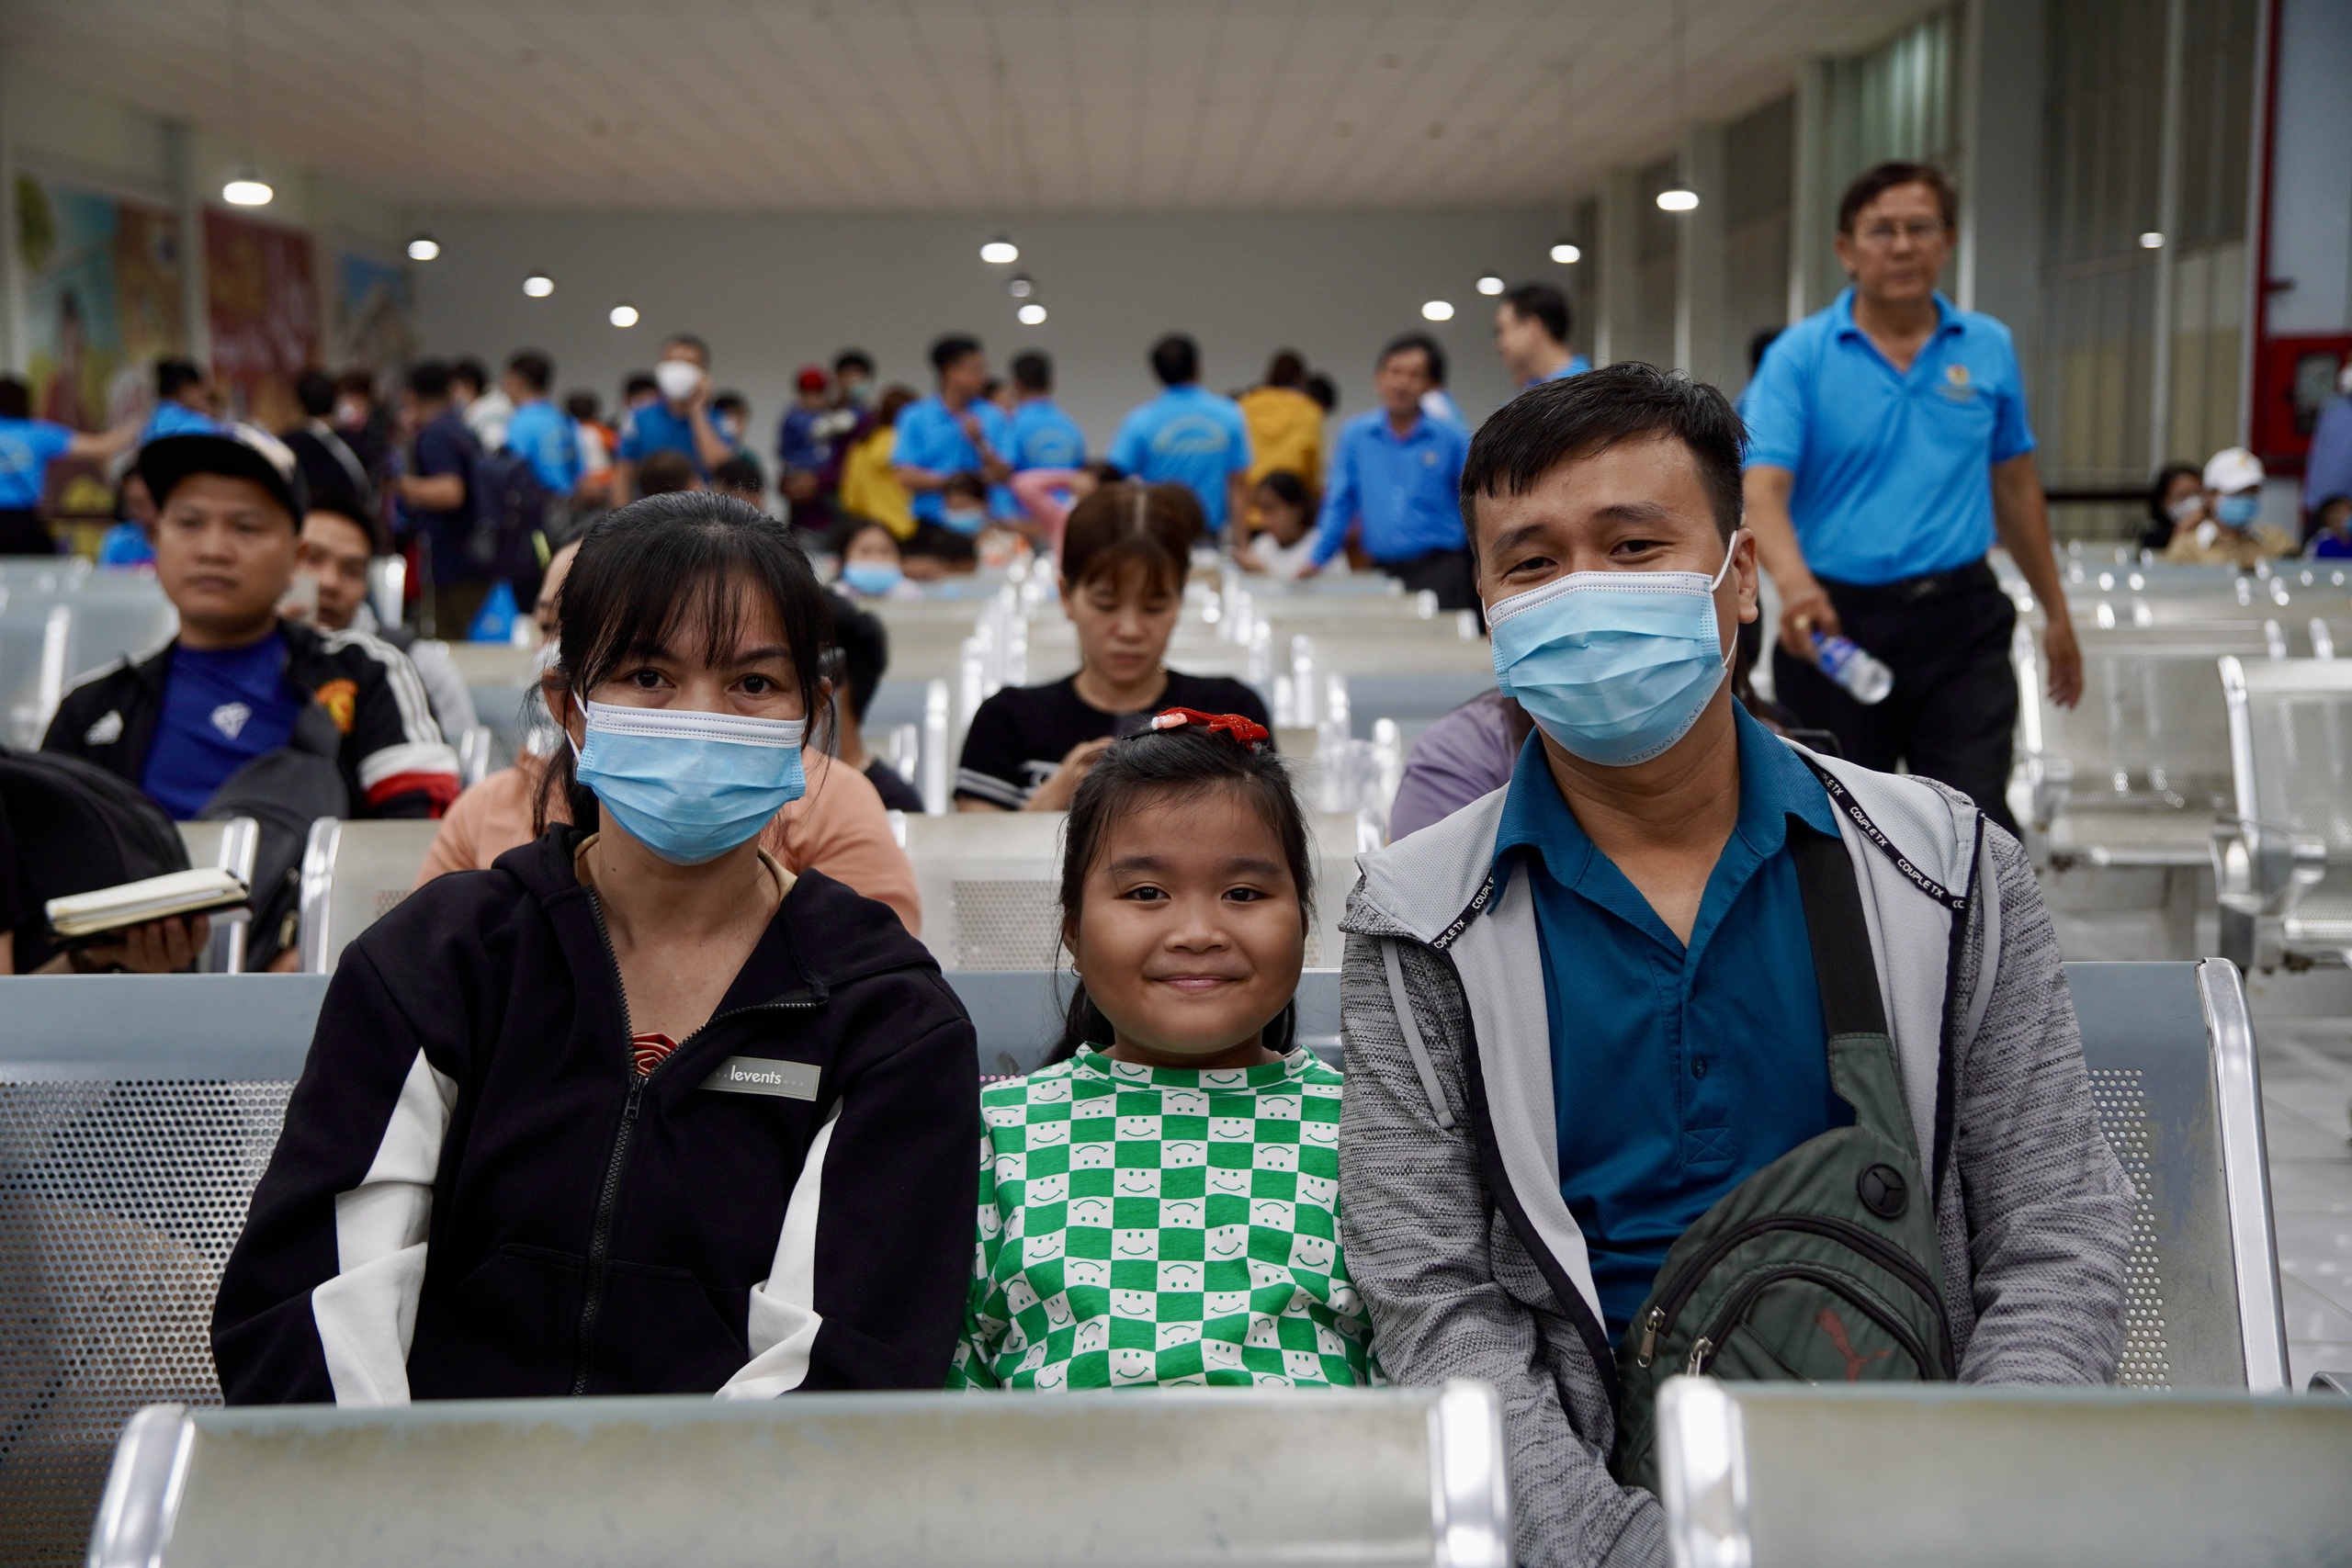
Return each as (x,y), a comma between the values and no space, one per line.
(1894,468)
(1189,437)
(1677,1072)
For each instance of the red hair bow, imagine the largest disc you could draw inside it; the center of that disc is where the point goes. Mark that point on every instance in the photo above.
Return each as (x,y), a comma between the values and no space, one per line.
(1243,732)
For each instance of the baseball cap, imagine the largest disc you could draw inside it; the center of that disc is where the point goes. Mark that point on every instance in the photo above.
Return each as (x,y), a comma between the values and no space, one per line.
(237,452)
(2232,469)
(810,380)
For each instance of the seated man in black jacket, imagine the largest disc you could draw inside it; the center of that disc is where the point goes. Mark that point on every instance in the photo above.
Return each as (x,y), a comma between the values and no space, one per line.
(239,681)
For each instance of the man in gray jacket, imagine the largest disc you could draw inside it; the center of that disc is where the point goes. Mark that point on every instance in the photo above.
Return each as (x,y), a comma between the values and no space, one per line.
(1583,1010)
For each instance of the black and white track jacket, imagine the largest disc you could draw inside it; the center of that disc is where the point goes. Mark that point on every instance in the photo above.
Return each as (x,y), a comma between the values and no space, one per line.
(476,1197)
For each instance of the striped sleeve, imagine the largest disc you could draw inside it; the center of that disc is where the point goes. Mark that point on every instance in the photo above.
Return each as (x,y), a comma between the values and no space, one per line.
(406,767)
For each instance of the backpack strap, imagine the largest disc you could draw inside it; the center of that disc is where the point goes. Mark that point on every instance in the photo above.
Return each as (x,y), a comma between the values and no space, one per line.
(1843,966)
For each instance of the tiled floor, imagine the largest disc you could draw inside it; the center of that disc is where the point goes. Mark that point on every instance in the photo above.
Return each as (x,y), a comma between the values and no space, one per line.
(2306,1089)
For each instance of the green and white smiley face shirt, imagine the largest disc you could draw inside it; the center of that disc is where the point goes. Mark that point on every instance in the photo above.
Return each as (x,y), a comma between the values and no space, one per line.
(1157,1225)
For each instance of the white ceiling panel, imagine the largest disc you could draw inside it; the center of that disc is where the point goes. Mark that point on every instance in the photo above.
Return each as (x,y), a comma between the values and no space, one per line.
(925,105)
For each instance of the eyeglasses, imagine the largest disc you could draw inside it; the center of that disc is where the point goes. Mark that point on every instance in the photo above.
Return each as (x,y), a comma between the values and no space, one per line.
(1879,236)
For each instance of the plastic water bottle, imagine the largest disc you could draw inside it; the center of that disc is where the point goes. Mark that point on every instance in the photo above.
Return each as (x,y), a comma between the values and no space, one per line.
(1843,661)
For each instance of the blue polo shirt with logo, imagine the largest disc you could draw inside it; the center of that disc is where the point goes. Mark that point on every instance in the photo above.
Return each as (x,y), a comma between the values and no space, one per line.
(1189,437)
(27,448)
(1678,1070)
(1894,468)
(1405,490)
(1045,437)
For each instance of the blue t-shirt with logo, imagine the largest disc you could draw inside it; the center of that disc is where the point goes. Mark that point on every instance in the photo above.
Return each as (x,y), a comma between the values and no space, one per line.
(27,448)
(544,436)
(1894,468)
(1187,437)
(176,418)
(1045,437)
(222,707)
(657,427)
(930,436)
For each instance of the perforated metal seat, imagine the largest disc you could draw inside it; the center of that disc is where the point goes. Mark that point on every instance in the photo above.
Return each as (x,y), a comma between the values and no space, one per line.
(354,873)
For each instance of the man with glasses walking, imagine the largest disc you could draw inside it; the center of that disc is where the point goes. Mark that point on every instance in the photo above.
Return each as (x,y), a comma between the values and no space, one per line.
(1888,447)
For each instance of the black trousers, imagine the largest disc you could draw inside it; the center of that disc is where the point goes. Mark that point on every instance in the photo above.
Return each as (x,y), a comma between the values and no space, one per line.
(1446,573)
(1954,706)
(22,532)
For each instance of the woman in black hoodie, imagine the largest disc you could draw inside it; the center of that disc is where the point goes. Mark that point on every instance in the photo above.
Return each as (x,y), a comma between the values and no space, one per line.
(635,1110)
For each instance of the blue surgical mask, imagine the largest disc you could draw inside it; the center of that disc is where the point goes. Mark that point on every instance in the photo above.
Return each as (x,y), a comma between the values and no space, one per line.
(872,578)
(966,520)
(688,786)
(1615,666)
(2238,511)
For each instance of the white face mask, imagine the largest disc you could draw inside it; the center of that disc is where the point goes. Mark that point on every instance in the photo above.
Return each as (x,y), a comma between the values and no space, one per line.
(677,378)
(2183,508)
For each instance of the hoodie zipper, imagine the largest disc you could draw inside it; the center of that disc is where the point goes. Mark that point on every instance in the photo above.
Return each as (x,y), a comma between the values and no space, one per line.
(600,1236)
(1870,1246)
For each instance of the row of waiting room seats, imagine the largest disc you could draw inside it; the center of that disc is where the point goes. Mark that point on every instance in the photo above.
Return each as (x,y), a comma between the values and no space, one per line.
(137,1112)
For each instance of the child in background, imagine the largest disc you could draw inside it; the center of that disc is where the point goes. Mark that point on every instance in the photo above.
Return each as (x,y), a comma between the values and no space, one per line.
(870,565)
(1286,537)
(952,544)
(1160,1205)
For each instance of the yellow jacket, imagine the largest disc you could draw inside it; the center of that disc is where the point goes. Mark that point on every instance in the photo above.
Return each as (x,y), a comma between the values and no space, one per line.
(1286,432)
(870,489)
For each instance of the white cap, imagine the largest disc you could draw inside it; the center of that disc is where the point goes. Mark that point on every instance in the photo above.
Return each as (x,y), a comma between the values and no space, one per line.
(2232,469)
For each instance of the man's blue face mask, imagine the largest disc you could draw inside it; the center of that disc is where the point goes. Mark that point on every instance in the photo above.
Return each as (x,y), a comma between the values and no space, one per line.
(2238,511)
(688,786)
(1614,666)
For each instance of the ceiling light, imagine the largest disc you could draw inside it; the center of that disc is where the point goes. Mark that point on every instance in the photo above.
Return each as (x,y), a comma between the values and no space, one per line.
(246,190)
(1021,287)
(1566,254)
(1491,284)
(1677,198)
(2152,241)
(624,316)
(1032,314)
(539,286)
(425,247)
(1000,252)
(1437,310)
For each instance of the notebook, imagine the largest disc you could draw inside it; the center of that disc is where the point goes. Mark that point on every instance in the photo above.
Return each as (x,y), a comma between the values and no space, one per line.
(79,916)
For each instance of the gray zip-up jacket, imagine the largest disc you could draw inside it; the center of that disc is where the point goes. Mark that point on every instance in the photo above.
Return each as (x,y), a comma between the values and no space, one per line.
(1467,1253)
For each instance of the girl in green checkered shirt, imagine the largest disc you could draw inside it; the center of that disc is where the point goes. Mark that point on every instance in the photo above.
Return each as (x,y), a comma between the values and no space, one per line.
(1160,1205)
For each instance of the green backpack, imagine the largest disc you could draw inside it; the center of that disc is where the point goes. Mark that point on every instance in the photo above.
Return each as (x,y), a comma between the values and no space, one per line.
(1824,1266)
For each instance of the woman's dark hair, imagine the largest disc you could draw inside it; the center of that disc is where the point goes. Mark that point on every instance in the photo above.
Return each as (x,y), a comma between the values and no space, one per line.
(1289,489)
(646,569)
(2163,487)
(1151,768)
(893,403)
(1154,524)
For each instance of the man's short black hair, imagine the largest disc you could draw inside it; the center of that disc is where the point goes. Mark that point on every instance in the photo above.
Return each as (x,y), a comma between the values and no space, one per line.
(865,645)
(853,359)
(1032,371)
(1550,423)
(951,350)
(173,375)
(1427,344)
(534,369)
(1875,182)
(688,339)
(742,475)
(356,384)
(429,378)
(1542,302)
(580,405)
(314,392)
(353,513)
(471,371)
(1176,360)
(15,397)
(637,382)
(730,401)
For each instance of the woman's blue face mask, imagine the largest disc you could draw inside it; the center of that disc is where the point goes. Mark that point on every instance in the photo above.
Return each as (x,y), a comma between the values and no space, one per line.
(1614,666)
(687,785)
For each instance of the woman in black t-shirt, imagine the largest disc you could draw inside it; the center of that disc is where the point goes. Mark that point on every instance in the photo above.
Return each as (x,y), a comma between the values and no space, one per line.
(1125,554)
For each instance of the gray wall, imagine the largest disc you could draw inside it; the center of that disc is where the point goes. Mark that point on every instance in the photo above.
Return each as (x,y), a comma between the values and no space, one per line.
(2311,196)
(773,293)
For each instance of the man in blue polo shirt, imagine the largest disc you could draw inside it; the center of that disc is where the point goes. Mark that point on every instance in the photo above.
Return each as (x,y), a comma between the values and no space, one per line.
(1187,435)
(1043,436)
(1396,472)
(1887,447)
(954,431)
(28,445)
(537,431)
(1531,326)
(183,402)
(680,421)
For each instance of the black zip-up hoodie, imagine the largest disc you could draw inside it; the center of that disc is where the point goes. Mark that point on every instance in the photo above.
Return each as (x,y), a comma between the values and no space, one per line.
(476,1197)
